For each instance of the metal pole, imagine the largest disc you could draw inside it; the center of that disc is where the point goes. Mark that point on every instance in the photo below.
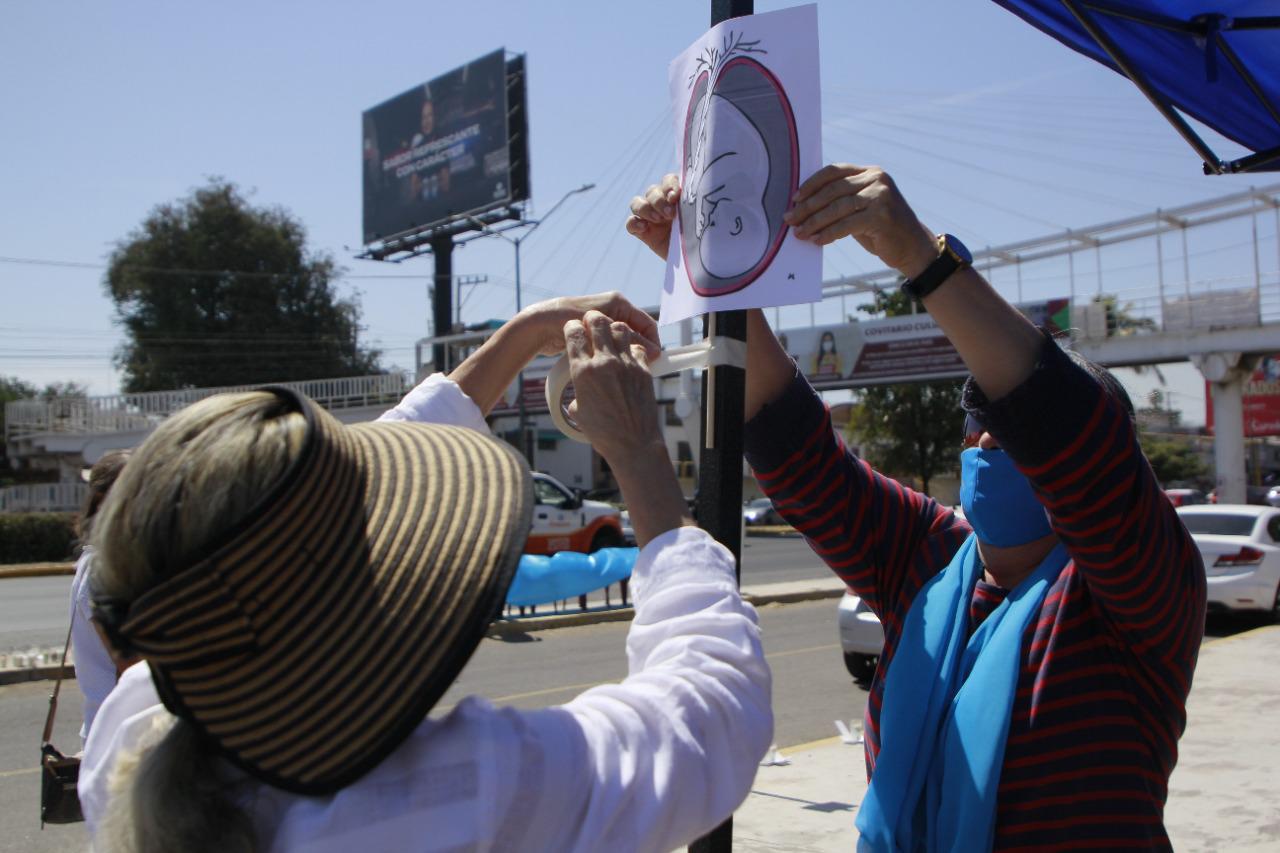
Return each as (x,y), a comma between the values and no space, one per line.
(720,470)
(1160,266)
(526,447)
(1257,261)
(1186,270)
(441,309)
(1071,270)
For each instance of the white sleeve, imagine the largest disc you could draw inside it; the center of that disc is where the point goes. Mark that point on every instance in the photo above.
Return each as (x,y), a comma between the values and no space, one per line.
(95,671)
(669,753)
(438,400)
(118,729)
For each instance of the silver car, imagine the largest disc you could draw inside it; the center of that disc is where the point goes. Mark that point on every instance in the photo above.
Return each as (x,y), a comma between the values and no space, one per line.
(861,637)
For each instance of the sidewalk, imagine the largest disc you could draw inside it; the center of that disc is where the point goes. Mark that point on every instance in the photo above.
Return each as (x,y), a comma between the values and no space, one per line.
(1224,794)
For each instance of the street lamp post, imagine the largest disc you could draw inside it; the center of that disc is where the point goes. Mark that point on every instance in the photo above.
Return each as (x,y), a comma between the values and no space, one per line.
(526,438)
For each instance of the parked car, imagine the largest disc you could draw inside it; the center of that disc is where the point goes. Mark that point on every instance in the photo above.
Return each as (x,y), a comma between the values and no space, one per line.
(760,512)
(628,532)
(564,521)
(861,636)
(1240,544)
(1186,497)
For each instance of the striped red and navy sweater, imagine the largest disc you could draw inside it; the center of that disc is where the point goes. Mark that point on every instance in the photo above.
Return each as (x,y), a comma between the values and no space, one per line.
(1106,667)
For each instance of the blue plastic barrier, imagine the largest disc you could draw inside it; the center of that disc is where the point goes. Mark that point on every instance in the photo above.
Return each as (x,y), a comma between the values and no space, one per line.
(568,574)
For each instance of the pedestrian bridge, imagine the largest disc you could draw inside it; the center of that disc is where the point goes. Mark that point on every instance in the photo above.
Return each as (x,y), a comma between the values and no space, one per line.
(68,434)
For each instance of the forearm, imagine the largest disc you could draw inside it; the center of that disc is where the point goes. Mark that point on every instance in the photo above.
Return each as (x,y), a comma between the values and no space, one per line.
(487,373)
(769,368)
(998,344)
(653,496)
(670,751)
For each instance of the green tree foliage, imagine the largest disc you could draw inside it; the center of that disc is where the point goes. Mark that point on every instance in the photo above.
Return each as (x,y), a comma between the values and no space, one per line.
(213,291)
(1174,460)
(913,429)
(1172,456)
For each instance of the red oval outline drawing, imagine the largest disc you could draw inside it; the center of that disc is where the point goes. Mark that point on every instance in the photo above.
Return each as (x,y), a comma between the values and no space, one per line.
(748,277)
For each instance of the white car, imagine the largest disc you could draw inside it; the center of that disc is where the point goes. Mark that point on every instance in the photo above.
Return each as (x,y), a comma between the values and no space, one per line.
(1240,545)
(861,636)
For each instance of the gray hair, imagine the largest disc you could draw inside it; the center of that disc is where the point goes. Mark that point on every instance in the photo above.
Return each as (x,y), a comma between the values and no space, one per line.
(201,472)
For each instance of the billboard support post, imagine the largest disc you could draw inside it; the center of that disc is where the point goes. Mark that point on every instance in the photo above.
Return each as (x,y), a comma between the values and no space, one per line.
(442,299)
(719,498)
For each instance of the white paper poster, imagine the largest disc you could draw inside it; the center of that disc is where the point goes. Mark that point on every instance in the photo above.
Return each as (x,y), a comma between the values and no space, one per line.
(745,102)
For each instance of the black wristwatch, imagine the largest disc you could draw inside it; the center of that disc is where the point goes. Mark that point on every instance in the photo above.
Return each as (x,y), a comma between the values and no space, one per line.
(953,256)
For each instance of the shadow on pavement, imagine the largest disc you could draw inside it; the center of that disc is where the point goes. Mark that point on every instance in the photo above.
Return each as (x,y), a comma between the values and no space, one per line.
(1227,624)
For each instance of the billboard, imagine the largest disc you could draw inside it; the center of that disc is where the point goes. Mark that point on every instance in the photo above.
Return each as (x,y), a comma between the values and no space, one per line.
(907,348)
(1261,400)
(454,145)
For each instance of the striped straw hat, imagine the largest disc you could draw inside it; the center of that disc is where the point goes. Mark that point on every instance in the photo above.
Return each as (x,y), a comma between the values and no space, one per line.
(310,641)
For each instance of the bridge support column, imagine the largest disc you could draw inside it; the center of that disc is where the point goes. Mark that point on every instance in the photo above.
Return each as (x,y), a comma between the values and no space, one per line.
(1227,373)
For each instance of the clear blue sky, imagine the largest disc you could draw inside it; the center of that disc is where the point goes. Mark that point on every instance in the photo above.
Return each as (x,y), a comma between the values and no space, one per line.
(995,132)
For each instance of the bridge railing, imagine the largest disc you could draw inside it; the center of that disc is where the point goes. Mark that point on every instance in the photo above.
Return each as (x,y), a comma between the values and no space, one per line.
(43,497)
(131,412)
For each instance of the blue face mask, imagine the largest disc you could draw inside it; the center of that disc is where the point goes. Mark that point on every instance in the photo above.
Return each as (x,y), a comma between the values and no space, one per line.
(998,500)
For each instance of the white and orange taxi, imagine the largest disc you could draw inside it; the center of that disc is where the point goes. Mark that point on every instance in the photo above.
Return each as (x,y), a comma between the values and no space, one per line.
(563,521)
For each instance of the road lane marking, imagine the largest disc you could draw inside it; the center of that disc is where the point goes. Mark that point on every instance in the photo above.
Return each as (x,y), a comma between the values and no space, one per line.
(813,744)
(5,774)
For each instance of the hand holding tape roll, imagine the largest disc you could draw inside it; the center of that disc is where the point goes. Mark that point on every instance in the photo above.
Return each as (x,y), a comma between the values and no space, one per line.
(707,353)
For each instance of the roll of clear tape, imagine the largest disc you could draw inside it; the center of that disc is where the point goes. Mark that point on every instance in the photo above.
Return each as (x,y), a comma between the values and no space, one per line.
(707,353)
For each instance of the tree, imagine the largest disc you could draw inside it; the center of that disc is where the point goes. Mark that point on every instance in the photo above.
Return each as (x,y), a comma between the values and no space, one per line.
(212,291)
(1172,459)
(912,429)
(1170,451)
(12,389)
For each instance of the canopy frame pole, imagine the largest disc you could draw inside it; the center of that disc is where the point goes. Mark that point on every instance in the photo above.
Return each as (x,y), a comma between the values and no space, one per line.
(1212,164)
(1197,27)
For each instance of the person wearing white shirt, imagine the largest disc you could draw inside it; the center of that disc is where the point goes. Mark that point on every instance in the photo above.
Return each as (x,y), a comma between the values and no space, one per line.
(290,658)
(95,670)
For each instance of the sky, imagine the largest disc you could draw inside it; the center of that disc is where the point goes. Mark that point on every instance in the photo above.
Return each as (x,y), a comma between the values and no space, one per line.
(993,131)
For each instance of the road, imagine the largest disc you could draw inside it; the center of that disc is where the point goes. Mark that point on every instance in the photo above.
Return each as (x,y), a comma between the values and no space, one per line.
(811,690)
(33,611)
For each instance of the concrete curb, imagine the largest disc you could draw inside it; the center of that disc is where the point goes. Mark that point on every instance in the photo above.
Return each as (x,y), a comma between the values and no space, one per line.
(37,570)
(35,673)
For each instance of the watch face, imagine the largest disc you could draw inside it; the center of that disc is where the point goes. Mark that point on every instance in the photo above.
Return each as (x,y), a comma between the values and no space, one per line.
(960,250)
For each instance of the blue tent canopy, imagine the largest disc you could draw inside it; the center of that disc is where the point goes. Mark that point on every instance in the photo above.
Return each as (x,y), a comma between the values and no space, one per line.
(1215,60)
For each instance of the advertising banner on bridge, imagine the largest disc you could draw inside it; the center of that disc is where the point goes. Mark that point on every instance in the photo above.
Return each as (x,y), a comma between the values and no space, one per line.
(1261,400)
(910,348)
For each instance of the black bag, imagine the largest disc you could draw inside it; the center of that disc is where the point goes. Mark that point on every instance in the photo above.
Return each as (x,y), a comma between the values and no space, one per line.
(59,799)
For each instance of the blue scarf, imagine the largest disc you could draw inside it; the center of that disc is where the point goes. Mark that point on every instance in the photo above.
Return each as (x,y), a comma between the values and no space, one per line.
(948,699)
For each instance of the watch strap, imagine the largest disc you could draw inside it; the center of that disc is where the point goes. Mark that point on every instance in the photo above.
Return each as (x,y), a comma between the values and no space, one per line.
(931,277)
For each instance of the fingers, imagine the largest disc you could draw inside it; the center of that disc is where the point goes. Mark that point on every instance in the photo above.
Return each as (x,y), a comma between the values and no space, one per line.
(658,204)
(839,211)
(600,331)
(620,308)
(576,344)
(671,186)
(829,201)
(826,175)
